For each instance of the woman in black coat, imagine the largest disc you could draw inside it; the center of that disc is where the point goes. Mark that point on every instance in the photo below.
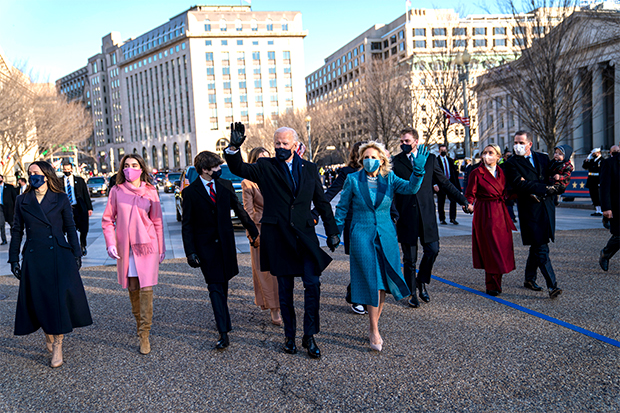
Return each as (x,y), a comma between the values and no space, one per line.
(51,294)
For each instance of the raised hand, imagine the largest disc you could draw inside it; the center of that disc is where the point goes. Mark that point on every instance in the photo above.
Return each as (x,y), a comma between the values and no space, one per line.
(237,134)
(420,160)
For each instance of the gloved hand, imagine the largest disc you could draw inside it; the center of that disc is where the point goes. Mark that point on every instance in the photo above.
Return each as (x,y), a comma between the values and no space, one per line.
(162,256)
(332,242)
(420,160)
(16,270)
(112,253)
(237,134)
(551,190)
(193,261)
(78,261)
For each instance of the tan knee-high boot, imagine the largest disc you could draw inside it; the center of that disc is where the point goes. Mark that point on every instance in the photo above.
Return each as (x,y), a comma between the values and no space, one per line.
(49,340)
(146,320)
(57,351)
(134,296)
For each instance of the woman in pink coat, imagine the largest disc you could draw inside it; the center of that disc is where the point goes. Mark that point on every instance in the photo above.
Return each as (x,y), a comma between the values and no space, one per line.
(133,230)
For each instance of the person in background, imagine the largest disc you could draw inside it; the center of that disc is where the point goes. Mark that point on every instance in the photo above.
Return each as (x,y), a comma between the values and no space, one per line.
(592,164)
(23,184)
(374,256)
(491,236)
(510,202)
(265,284)
(77,191)
(465,164)
(133,230)
(8,194)
(51,295)
(560,169)
(473,165)
(610,204)
(449,169)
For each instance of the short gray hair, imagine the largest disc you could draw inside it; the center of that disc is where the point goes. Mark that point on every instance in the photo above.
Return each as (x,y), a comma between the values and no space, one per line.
(285,129)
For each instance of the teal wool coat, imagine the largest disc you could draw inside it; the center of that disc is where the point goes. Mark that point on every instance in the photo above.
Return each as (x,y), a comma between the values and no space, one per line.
(374,247)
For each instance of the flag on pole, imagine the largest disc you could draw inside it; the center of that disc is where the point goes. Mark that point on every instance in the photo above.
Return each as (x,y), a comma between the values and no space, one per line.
(408,4)
(454,116)
(462,120)
(248,1)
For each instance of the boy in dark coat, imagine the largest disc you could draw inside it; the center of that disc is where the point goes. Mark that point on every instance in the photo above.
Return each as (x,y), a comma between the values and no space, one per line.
(561,168)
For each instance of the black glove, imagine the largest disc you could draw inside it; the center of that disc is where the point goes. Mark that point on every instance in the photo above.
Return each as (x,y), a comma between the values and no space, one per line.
(78,261)
(332,242)
(237,134)
(193,261)
(551,190)
(17,272)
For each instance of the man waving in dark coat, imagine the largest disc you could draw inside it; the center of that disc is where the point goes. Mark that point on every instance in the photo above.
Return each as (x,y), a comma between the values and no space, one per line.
(527,174)
(289,245)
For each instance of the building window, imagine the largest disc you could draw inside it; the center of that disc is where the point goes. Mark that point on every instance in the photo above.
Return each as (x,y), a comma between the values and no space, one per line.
(226,85)
(393,39)
(242,85)
(439,31)
(419,44)
(401,34)
(210,71)
(518,41)
(208,43)
(154,158)
(224,42)
(223,25)
(269,25)
(374,46)
(226,70)
(480,31)
(499,31)
(239,42)
(254,25)
(393,52)
(401,46)
(419,32)
(238,25)
(258,84)
(459,43)
(255,55)
(459,31)
(518,30)
(499,42)
(480,42)
(209,56)
(439,43)
(285,25)
(207,26)
(176,156)
(286,55)
(271,55)
(212,98)
(273,83)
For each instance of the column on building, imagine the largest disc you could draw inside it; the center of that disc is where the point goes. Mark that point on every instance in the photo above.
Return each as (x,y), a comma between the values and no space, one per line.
(576,141)
(598,115)
(616,102)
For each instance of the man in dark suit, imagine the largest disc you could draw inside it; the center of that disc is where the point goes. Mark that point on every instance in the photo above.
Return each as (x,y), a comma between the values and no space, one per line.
(527,174)
(449,169)
(208,236)
(417,215)
(290,247)
(77,191)
(610,203)
(7,207)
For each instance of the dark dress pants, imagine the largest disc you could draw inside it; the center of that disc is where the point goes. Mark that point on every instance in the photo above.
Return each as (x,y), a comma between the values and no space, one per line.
(510,205)
(312,296)
(613,245)
(594,195)
(410,256)
(218,293)
(538,258)
(80,217)
(441,201)
(2,224)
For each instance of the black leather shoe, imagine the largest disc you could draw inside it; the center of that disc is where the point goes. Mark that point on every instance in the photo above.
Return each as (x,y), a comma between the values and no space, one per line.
(413,301)
(3,243)
(532,286)
(443,222)
(309,343)
(493,293)
(423,293)
(596,214)
(453,221)
(289,346)
(554,292)
(223,342)
(603,262)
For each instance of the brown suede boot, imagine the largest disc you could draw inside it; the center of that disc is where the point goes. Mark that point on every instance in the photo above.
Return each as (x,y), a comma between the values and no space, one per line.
(57,351)
(146,320)
(49,340)
(134,296)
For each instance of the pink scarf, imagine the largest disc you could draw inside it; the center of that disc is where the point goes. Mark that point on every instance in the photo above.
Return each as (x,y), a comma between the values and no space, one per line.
(139,239)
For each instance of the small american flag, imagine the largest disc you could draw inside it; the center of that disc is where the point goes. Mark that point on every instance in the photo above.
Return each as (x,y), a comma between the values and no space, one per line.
(454,116)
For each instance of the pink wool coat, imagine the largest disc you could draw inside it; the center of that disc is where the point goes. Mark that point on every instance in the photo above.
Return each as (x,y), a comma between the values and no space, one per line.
(115,223)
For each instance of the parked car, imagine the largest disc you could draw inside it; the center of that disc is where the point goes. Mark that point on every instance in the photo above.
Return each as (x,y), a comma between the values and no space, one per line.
(97,186)
(169,186)
(190,175)
(159,178)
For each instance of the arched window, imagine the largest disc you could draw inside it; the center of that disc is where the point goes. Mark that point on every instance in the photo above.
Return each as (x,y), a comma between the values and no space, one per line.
(238,25)
(269,25)
(223,25)
(254,25)
(155,158)
(135,150)
(221,145)
(176,155)
(145,154)
(188,153)
(284,25)
(164,156)
(207,25)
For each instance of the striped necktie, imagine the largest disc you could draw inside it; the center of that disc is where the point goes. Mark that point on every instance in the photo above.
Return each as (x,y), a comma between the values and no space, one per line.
(211,192)
(69,191)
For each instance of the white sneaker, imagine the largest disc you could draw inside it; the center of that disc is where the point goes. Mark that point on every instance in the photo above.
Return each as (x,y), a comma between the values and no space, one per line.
(358,309)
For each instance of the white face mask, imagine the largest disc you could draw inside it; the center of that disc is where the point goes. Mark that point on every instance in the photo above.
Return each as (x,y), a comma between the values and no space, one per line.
(519,149)
(488,159)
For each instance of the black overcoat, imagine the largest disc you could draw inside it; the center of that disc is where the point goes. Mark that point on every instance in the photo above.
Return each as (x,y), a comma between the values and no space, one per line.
(537,218)
(51,294)
(84,204)
(420,207)
(610,191)
(208,231)
(454,173)
(287,231)
(9,195)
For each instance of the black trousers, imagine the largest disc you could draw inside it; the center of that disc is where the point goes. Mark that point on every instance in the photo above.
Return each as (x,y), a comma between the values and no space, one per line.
(538,258)
(510,205)
(218,293)
(312,297)
(80,218)
(441,201)
(595,195)
(613,246)
(2,224)
(410,256)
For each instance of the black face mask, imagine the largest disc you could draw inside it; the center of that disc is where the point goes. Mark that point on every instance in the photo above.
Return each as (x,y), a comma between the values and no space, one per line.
(216,174)
(614,154)
(443,153)
(67,173)
(283,154)
(406,148)
(36,180)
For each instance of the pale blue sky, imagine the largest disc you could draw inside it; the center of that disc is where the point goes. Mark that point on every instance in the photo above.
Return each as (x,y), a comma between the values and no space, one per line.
(55,37)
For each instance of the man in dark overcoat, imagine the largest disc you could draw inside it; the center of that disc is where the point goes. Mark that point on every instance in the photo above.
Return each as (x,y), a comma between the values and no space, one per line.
(610,203)
(290,247)
(82,206)
(449,169)
(208,235)
(8,194)
(592,164)
(527,173)
(417,215)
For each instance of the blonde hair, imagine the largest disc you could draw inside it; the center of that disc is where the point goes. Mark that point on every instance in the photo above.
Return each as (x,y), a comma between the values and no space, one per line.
(386,166)
(495,147)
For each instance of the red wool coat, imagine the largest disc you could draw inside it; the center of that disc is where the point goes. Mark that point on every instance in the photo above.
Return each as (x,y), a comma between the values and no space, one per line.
(491,239)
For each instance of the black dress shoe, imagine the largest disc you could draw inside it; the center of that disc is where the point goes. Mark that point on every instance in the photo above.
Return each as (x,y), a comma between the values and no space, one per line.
(603,262)
(289,346)
(223,342)
(554,292)
(596,214)
(493,293)
(453,221)
(532,286)
(3,243)
(443,222)
(413,301)
(423,293)
(309,343)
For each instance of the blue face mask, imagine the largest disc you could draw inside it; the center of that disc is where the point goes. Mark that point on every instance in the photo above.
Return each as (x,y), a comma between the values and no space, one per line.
(36,180)
(371,165)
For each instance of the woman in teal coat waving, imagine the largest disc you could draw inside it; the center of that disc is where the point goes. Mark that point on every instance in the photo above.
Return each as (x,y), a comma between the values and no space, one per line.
(374,254)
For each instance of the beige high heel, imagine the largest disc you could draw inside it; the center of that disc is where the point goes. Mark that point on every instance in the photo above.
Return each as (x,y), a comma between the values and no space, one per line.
(57,351)
(376,347)
(276,321)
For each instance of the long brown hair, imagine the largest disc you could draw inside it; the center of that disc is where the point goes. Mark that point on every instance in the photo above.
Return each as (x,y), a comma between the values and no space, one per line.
(54,183)
(354,156)
(144,177)
(254,153)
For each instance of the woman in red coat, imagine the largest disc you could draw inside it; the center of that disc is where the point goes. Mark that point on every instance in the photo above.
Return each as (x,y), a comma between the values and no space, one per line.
(491,243)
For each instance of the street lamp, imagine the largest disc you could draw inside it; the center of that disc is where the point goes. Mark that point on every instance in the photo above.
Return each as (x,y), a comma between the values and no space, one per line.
(462,62)
(308,119)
